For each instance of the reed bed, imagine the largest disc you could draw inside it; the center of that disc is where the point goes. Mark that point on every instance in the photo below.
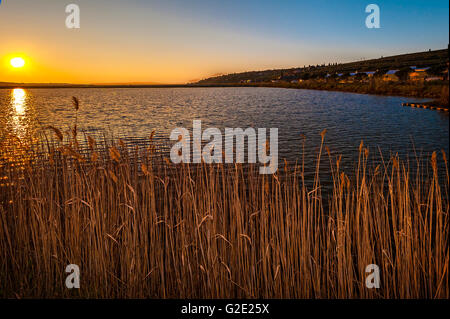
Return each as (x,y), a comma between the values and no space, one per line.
(139,226)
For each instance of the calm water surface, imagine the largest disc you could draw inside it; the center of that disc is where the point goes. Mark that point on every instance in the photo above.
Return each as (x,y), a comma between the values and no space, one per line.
(349,118)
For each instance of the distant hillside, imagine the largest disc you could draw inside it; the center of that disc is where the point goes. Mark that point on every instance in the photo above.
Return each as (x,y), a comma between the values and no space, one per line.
(437,58)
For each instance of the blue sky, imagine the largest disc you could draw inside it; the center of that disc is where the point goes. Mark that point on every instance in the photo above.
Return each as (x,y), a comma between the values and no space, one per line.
(413,25)
(175,41)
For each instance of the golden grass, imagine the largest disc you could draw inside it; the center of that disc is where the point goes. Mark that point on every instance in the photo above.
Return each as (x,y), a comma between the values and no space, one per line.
(141,227)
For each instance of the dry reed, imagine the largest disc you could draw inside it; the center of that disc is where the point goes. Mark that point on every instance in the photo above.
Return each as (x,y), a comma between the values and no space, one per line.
(141,227)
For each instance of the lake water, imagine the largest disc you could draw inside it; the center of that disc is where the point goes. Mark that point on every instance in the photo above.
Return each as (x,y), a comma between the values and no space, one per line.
(349,118)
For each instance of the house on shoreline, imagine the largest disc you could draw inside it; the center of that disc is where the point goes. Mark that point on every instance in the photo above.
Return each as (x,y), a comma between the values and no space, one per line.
(418,74)
(370,73)
(390,76)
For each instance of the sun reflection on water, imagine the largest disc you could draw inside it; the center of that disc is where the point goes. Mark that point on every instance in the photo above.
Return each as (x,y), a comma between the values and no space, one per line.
(18,102)
(17,128)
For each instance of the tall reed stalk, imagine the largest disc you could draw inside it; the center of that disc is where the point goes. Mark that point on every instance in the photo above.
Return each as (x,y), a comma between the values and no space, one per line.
(141,227)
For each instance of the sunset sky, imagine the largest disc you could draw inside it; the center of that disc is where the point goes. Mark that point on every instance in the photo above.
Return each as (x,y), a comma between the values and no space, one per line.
(179,41)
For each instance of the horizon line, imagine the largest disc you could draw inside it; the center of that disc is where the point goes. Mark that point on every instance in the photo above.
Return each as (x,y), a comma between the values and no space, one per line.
(192,82)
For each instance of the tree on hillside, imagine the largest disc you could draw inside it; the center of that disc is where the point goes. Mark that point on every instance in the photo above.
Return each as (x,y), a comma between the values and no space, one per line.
(436,70)
(403,73)
(321,74)
(360,76)
(305,76)
(380,72)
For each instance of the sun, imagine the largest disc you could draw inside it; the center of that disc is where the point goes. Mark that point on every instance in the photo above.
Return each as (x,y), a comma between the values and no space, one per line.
(17,62)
